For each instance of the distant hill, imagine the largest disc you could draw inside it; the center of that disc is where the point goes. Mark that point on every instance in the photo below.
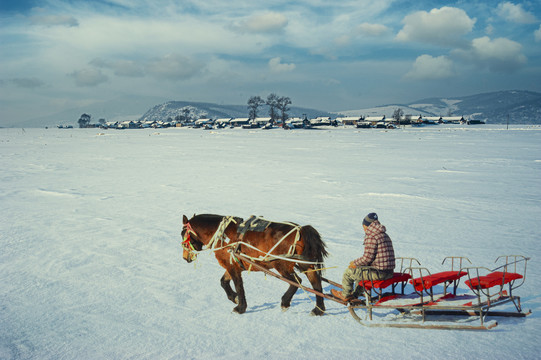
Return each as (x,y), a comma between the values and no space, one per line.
(523,107)
(386,110)
(171,109)
(122,108)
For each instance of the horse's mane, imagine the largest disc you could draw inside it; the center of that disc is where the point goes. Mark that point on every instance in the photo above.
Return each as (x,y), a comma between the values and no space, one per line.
(207,218)
(210,219)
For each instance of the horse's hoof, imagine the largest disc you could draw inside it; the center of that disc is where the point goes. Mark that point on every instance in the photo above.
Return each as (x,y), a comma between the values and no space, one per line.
(236,300)
(238,310)
(284,309)
(317,312)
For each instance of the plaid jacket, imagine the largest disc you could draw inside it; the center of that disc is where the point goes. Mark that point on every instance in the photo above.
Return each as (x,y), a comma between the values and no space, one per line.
(378,249)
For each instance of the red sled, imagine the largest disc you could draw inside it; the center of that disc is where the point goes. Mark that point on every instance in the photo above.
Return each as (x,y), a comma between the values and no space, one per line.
(487,289)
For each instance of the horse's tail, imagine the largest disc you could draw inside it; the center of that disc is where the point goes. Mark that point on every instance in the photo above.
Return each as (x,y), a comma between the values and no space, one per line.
(314,247)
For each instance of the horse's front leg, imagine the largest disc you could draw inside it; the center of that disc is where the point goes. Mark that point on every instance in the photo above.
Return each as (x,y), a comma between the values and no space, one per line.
(225,282)
(239,287)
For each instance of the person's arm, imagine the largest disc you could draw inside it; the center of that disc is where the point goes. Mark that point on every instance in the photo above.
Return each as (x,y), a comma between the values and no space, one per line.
(370,250)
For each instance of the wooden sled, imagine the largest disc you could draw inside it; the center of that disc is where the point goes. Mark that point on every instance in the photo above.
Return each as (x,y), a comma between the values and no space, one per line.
(424,301)
(487,290)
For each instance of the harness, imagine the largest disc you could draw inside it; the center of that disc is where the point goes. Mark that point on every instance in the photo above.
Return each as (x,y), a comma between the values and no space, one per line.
(218,242)
(219,236)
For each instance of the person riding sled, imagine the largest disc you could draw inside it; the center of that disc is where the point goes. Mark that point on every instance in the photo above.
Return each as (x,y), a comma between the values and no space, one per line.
(377,262)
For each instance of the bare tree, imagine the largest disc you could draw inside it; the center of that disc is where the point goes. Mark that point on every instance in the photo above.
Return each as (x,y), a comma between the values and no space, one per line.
(186,113)
(397,115)
(272,102)
(283,105)
(253,105)
(84,120)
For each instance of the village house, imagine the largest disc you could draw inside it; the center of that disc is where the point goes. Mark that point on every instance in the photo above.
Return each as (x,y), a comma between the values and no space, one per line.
(321,121)
(261,121)
(376,121)
(238,122)
(349,120)
(203,122)
(453,119)
(431,120)
(223,122)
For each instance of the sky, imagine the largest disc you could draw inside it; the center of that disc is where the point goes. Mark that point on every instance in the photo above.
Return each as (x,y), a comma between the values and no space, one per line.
(334,56)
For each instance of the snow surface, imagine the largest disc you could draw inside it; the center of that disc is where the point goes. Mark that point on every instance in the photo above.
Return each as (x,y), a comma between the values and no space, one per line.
(90,260)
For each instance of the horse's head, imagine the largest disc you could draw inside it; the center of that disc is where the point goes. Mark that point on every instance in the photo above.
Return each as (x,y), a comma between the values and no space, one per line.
(191,243)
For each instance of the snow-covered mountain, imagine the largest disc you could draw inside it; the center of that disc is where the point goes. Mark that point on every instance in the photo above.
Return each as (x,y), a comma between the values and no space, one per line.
(171,109)
(522,107)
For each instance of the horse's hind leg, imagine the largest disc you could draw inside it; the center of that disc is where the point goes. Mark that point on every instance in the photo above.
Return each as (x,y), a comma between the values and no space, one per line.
(315,279)
(225,282)
(288,295)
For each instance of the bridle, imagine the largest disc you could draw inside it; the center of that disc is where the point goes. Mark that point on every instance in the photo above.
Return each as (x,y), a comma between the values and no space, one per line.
(187,244)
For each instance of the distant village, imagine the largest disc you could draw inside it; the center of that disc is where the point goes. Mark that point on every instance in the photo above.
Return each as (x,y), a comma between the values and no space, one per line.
(379,122)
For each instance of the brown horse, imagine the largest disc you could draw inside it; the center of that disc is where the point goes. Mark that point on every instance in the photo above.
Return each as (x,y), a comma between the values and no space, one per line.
(297,247)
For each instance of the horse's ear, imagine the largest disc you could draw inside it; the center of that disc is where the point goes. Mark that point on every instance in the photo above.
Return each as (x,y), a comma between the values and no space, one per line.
(184,219)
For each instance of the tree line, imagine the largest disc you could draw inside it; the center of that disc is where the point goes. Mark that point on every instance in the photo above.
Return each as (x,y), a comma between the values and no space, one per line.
(278,107)
(85,121)
(278,110)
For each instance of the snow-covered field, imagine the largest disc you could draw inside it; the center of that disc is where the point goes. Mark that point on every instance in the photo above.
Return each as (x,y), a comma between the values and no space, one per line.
(90,259)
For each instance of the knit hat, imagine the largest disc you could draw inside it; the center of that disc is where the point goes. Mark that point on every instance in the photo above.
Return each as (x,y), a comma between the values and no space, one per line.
(370,218)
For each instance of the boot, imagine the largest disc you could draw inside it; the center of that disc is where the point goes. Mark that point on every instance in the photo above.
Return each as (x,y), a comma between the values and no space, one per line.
(338,294)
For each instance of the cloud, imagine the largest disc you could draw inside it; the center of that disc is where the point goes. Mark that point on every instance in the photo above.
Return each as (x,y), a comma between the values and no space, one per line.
(368,29)
(27,83)
(498,55)
(357,35)
(515,13)
(88,77)
(170,67)
(219,50)
(342,40)
(427,67)
(127,68)
(268,22)
(441,27)
(174,67)
(54,20)
(276,65)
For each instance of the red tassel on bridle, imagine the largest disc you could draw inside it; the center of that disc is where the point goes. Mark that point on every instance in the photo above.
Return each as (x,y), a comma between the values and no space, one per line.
(187,241)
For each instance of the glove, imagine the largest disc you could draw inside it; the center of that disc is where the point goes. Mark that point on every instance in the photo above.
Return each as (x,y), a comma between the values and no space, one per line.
(352,265)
